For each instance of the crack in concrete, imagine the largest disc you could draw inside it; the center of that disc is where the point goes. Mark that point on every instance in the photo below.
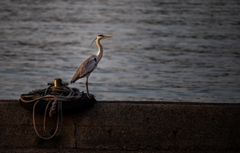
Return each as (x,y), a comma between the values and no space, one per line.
(75,133)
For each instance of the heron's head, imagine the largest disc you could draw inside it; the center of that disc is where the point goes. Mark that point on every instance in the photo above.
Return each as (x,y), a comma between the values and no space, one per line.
(100,37)
(103,37)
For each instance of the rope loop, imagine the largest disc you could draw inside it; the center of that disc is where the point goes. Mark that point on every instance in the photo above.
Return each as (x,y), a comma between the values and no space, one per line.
(55,96)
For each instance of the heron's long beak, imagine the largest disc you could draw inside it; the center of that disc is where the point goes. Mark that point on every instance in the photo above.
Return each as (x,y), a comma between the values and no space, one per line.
(107,37)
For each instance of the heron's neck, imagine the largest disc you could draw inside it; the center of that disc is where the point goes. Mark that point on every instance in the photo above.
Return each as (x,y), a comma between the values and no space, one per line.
(100,50)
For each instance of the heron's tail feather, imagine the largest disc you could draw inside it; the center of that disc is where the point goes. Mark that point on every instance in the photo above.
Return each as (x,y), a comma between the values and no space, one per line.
(75,78)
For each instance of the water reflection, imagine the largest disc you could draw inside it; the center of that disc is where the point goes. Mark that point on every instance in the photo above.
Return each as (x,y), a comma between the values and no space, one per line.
(161,50)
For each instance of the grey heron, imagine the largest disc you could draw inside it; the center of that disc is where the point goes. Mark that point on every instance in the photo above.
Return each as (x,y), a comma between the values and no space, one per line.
(86,68)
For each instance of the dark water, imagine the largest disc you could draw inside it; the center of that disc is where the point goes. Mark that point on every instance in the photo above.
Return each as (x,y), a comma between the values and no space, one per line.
(161,50)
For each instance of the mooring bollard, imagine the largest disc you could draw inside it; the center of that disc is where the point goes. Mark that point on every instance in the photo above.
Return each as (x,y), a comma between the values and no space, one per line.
(58,83)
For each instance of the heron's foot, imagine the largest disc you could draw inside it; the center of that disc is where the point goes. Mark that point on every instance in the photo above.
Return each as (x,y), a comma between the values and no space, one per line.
(89,96)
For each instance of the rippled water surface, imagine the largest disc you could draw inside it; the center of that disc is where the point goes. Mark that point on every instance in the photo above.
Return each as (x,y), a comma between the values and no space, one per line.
(161,50)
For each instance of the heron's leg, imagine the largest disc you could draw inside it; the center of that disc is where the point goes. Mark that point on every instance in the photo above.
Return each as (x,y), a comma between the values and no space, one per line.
(87,88)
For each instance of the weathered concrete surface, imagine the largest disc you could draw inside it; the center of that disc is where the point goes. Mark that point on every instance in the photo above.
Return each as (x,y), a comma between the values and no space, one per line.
(132,126)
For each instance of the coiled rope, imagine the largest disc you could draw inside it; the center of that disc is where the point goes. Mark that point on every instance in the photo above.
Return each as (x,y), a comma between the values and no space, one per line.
(55,96)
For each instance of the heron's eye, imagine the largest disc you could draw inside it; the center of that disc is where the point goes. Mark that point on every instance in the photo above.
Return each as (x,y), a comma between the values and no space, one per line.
(101,35)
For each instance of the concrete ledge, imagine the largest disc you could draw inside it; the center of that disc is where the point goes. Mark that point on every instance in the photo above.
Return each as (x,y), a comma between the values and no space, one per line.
(132,126)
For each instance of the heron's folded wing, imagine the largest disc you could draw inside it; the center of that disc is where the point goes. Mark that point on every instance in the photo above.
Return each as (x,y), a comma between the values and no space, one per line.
(85,68)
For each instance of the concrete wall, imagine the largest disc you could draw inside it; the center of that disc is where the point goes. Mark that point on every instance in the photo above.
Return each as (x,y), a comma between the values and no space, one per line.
(131,126)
